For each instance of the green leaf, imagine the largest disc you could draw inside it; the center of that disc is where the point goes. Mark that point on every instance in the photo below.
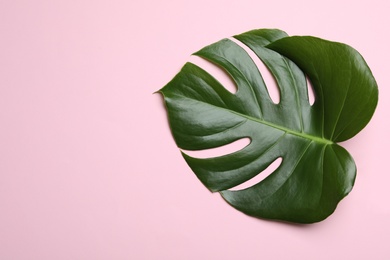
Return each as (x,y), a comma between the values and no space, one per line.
(315,173)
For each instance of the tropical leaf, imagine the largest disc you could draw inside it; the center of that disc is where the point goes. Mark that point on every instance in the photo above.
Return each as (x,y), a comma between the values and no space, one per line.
(315,173)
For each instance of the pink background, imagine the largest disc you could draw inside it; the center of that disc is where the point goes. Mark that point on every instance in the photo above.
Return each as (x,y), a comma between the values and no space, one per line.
(88,167)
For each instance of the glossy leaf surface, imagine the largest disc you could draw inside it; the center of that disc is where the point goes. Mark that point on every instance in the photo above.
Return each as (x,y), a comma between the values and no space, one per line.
(315,173)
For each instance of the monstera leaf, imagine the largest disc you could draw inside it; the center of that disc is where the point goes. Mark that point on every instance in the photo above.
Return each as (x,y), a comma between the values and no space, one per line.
(315,173)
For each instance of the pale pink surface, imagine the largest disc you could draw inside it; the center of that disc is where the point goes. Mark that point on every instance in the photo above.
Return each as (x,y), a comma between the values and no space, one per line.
(88,167)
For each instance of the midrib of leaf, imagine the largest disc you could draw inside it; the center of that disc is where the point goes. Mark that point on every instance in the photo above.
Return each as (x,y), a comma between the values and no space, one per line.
(287,130)
(258,120)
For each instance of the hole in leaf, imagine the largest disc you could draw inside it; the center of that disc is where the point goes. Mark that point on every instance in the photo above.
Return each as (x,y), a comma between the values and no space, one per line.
(310,92)
(217,72)
(221,150)
(259,177)
(269,80)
